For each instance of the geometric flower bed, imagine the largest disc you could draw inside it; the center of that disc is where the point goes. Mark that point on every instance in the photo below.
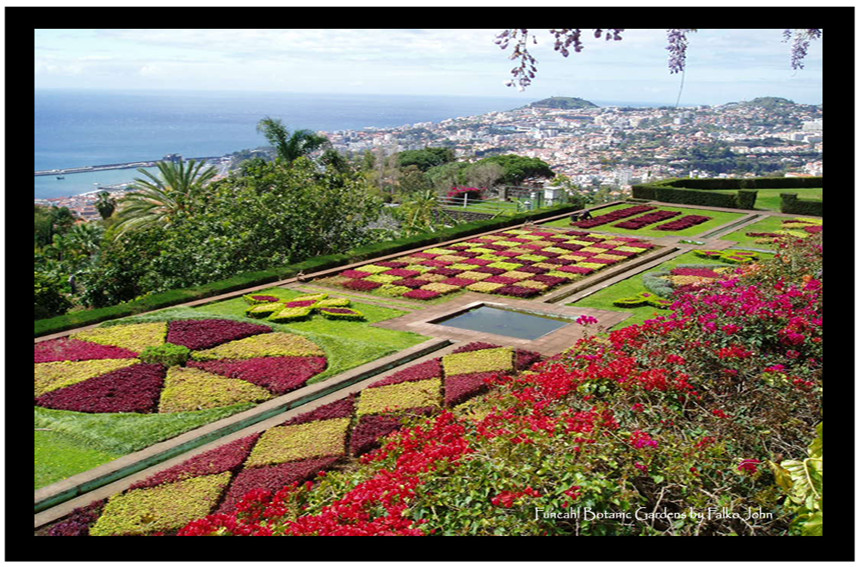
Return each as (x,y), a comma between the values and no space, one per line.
(300,308)
(296,450)
(683,278)
(231,362)
(613,216)
(515,263)
(798,228)
(683,223)
(645,220)
(728,256)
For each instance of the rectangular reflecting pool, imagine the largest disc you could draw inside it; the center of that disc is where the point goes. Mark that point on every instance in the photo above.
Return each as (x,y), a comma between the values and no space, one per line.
(505,322)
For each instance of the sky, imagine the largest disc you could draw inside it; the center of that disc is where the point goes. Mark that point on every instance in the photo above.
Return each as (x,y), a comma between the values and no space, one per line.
(723,65)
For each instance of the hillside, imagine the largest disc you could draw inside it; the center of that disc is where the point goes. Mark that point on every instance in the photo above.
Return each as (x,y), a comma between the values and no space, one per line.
(562,102)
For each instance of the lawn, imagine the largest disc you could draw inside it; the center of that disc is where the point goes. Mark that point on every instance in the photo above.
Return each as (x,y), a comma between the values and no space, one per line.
(717,218)
(769,199)
(632,286)
(770,224)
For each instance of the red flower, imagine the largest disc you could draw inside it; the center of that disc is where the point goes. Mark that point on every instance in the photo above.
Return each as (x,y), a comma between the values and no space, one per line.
(749,466)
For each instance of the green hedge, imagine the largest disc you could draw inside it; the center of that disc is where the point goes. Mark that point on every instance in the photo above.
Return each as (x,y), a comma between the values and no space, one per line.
(699,191)
(252,279)
(791,204)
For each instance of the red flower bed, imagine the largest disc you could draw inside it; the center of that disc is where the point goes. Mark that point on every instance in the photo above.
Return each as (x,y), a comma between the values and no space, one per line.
(225,458)
(361,285)
(413,283)
(683,222)
(460,282)
(422,371)
(516,291)
(460,388)
(65,348)
(134,389)
(338,409)
(421,294)
(271,478)
(613,216)
(355,274)
(400,271)
(369,429)
(278,374)
(207,333)
(645,220)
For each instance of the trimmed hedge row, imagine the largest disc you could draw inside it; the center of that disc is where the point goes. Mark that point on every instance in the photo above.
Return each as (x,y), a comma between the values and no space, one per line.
(699,191)
(251,279)
(791,204)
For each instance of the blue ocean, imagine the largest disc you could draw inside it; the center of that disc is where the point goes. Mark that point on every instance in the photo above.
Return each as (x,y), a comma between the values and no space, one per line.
(75,128)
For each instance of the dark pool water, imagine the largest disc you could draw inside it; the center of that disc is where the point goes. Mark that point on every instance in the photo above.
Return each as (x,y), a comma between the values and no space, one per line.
(503,322)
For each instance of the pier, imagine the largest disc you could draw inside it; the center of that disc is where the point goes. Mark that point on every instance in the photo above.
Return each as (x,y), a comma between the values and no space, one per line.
(129,165)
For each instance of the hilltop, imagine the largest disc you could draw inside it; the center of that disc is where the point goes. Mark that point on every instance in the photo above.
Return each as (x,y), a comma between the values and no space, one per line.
(562,102)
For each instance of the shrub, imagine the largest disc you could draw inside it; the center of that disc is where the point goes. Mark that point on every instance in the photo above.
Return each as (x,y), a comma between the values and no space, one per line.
(263,310)
(291,314)
(343,313)
(167,354)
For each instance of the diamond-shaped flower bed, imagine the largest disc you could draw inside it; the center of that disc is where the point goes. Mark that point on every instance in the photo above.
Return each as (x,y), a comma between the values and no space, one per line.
(298,449)
(506,263)
(98,370)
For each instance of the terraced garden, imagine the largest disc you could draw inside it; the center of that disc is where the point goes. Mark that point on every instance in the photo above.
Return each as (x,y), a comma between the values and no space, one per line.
(470,437)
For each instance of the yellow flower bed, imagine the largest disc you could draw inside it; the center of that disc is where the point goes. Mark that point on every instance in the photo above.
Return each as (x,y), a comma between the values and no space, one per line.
(422,393)
(134,337)
(265,344)
(161,508)
(303,441)
(51,376)
(193,389)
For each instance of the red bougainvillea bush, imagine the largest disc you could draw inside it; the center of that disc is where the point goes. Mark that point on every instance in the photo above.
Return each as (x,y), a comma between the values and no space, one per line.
(298,450)
(516,263)
(640,432)
(134,368)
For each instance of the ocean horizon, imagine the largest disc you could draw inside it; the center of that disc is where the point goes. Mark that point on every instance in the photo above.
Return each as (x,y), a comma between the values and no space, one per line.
(78,128)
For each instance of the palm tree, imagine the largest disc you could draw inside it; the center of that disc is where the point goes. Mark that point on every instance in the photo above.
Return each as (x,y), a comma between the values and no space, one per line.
(158,199)
(290,146)
(105,205)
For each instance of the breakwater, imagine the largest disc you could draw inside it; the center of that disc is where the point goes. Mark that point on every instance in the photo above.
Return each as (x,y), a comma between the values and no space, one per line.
(90,168)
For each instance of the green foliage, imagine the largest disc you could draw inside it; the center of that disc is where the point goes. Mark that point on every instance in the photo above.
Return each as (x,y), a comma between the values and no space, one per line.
(426,158)
(49,297)
(167,354)
(803,482)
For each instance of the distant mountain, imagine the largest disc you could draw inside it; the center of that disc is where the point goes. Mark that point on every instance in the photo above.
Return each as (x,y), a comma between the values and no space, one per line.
(769,102)
(562,102)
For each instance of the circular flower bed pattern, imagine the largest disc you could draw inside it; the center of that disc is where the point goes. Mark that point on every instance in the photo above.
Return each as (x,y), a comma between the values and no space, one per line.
(228,362)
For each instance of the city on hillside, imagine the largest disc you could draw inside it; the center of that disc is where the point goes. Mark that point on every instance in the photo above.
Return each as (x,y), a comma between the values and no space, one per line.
(605,148)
